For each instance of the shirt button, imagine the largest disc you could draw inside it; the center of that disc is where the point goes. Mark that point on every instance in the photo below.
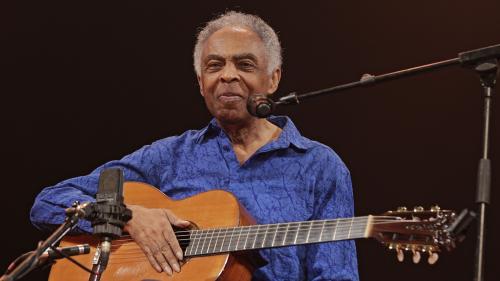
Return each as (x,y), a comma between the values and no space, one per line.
(226,148)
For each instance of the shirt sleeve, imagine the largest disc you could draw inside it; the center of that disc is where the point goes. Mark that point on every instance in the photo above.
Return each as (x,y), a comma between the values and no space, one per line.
(48,209)
(333,199)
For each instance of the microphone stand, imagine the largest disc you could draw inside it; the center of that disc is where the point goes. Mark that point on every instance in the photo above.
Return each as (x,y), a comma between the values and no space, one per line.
(483,61)
(33,259)
(487,73)
(108,216)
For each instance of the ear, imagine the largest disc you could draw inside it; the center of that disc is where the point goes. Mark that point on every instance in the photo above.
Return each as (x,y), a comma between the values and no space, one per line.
(274,80)
(200,84)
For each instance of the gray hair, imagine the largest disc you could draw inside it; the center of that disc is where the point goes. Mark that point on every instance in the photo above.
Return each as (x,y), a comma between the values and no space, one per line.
(255,23)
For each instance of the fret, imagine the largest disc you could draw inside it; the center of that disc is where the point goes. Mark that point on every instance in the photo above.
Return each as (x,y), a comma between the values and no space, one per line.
(367,228)
(315,232)
(223,239)
(192,242)
(199,236)
(321,232)
(275,232)
(297,234)
(205,239)
(335,229)
(212,232)
(309,231)
(255,238)
(343,229)
(286,233)
(215,240)
(230,239)
(350,227)
(203,234)
(239,236)
(246,239)
(265,235)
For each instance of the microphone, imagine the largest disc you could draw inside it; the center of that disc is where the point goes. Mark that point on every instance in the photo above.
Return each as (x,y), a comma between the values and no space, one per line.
(260,105)
(50,255)
(67,251)
(108,216)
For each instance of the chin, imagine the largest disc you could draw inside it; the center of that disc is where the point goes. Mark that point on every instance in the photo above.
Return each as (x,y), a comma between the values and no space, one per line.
(232,116)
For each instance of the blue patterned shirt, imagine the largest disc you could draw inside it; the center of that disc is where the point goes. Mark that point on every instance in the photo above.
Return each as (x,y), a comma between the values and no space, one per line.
(289,179)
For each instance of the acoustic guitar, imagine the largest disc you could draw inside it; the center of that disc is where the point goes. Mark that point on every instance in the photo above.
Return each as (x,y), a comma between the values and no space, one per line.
(218,245)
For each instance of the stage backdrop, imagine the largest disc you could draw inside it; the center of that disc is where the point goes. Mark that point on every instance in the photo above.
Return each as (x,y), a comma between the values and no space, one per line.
(85,83)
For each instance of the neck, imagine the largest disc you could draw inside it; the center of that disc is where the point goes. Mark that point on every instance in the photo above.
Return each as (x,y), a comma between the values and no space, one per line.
(246,134)
(248,137)
(221,240)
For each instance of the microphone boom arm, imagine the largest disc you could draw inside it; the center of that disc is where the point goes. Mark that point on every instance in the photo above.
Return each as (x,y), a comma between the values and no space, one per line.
(466,59)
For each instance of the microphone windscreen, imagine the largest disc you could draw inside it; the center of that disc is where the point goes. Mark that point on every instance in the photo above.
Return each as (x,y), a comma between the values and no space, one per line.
(260,105)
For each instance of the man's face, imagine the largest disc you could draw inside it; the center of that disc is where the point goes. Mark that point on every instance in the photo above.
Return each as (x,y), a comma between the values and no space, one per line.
(234,66)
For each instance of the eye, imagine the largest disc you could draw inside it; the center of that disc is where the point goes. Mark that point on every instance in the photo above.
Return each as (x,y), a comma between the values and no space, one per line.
(213,66)
(247,65)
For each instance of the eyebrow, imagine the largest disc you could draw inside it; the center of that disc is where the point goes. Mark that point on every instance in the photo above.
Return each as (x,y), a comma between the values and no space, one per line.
(236,57)
(246,56)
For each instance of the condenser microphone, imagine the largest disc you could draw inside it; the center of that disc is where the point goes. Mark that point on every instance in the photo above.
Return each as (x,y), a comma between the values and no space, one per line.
(109,217)
(260,105)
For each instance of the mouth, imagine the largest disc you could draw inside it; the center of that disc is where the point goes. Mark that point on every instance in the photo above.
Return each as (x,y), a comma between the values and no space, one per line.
(230,97)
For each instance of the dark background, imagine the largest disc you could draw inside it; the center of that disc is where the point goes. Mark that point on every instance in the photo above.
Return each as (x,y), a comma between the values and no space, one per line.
(85,83)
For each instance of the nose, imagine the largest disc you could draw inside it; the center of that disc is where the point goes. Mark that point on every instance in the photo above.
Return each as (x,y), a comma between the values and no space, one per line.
(229,73)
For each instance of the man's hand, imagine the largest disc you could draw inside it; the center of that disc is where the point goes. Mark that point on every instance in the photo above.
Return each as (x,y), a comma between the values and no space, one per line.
(152,231)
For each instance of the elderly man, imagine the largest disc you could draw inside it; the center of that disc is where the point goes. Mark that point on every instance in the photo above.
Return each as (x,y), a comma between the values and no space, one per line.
(277,174)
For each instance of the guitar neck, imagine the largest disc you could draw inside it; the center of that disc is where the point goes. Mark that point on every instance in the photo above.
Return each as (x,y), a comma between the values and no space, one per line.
(223,240)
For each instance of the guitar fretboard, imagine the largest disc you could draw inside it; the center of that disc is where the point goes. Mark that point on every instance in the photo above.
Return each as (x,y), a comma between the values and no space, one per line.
(222,240)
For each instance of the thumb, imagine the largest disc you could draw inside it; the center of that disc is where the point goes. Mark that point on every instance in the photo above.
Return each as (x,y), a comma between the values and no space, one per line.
(174,220)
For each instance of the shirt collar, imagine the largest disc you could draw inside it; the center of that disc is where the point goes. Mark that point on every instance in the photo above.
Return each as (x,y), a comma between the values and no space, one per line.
(289,136)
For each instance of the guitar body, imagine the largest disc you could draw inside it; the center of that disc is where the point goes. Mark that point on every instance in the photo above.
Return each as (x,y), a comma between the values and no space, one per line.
(210,209)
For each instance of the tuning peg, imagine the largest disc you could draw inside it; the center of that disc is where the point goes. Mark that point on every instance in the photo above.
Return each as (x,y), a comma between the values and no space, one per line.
(400,255)
(418,209)
(416,256)
(435,208)
(401,209)
(433,257)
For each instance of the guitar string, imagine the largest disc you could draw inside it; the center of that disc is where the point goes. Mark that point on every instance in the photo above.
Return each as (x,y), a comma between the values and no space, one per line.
(340,220)
(247,230)
(203,237)
(374,220)
(192,234)
(299,236)
(341,233)
(326,230)
(291,225)
(137,252)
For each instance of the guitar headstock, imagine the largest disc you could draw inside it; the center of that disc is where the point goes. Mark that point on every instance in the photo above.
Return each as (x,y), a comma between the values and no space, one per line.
(417,231)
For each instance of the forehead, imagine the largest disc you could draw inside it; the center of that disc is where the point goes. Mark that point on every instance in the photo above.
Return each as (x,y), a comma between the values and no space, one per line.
(232,41)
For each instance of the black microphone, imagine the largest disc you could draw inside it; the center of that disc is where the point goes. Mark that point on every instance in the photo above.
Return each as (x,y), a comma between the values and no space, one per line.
(108,216)
(260,105)
(67,251)
(51,255)
(109,212)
